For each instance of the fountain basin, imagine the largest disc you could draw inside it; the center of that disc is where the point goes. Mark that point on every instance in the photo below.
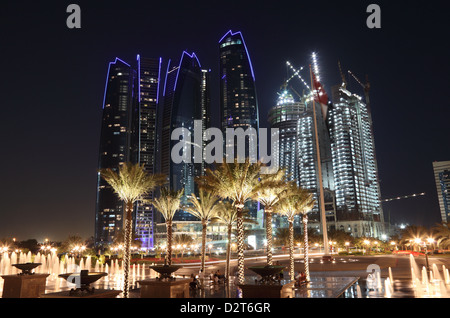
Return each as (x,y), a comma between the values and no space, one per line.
(165,271)
(26,268)
(267,272)
(82,281)
(83,278)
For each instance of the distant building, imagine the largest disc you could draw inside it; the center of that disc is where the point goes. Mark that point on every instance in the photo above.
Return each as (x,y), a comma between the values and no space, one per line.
(442,178)
(357,189)
(285,116)
(149,78)
(117,145)
(238,101)
(128,134)
(297,151)
(186,99)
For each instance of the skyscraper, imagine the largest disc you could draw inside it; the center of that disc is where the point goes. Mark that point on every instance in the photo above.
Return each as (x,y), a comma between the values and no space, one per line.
(186,100)
(238,102)
(358,200)
(128,134)
(149,75)
(285,116)
(442,179)
(117,145)
(297,151)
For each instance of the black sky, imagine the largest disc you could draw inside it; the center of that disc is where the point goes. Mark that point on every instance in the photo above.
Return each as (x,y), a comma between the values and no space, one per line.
(52,83)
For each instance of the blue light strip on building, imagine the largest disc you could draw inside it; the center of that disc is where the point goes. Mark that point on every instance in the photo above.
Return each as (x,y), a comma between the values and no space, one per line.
(245,47)
(159,80)
(107,77)
(179,66)
(165,80)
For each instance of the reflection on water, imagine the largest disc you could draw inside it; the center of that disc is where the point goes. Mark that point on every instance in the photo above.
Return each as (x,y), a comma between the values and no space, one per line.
(431,283)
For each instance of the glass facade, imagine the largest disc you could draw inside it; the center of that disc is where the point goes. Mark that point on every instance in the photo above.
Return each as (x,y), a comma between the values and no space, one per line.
(238,102)
(128,134)
(442,179)
(117,144)
(186,99)
(149,74)
(354,162)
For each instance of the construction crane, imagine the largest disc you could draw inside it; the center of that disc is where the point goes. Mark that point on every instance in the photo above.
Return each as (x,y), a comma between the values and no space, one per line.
(404,197)
(297,73)
(366,87)
(344,81)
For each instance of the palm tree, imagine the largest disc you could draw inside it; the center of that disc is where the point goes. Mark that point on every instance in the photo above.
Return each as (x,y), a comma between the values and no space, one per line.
(268,194)
(411,233)
(182,240)
(205,209)
(226,214)
(236,182)
(442,233)
(168,204)
(295,201)
(131,183)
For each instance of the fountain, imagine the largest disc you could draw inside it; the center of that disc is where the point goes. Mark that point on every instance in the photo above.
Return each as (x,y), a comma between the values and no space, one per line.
(26,284)
(269,286)
(26,268)
(267,273)
(166,271)
(83,281)
(388,290)
(166,285)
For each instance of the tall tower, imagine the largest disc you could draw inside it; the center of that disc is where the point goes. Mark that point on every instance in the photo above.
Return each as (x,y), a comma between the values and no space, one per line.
(117,145)
(149,75)
(358,199)
(185,100)
(442,178)
(285,116)
(128,134)
(238,102)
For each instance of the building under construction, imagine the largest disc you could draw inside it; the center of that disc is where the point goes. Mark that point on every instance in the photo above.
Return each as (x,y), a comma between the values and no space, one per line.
(349,173)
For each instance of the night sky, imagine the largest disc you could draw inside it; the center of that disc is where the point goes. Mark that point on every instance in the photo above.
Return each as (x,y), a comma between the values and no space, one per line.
(52,84)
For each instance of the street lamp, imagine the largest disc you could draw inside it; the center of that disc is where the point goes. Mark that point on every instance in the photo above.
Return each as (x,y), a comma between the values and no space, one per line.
(394,245)
(347,245)
(430,241)
(367,243)
(210,247)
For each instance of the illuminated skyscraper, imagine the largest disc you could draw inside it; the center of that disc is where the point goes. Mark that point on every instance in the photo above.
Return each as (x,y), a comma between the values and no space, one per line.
(117,145)
(238,102)
(186,99)
(297,149)
(149,74)
(358,200)
(442,178)
(285,116)
(128,134)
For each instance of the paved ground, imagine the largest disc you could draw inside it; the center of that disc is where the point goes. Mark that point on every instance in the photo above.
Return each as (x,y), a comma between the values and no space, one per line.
(398,267)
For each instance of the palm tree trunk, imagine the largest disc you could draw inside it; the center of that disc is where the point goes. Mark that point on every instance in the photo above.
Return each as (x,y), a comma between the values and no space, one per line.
(291,248)
(306,247)
(169,242)
(127,252)
(203,244)
(269,235)
(240,244)
(227,264)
